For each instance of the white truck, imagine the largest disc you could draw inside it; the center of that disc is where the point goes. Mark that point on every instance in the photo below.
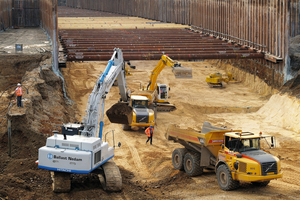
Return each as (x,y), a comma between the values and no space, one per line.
(84,151)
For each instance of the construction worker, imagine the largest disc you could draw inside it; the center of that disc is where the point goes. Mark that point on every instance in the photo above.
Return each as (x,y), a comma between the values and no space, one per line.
(149,132)
(19,93)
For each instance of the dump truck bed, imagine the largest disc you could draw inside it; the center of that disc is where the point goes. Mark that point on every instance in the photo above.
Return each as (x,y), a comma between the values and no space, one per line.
(210,137)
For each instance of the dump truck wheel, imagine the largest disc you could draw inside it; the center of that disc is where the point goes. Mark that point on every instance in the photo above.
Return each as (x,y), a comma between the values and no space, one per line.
(178,157)
(225,179)
(126,127)
(261,184)
(192,164)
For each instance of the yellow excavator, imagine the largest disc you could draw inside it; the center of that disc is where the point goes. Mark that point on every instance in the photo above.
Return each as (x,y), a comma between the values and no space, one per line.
(158,93)
(217,80)
(146,101)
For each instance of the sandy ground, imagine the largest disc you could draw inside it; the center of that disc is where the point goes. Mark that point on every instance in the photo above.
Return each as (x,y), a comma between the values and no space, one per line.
(150,167)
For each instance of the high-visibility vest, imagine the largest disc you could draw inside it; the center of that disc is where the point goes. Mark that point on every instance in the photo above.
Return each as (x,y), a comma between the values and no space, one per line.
(19,91)
(148,131)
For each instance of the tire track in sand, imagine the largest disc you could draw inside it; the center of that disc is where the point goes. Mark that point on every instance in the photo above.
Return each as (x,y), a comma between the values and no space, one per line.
(136,157)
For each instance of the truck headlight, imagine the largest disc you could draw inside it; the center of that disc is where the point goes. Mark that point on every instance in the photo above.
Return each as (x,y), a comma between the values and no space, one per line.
(236,165)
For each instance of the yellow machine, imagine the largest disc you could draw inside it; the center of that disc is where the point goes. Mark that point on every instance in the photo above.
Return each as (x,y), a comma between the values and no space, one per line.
(234,155)
(217,80)
(143,116)
(146,101)
(159,93)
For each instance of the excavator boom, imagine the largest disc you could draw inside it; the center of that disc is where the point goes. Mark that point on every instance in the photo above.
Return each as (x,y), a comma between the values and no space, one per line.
(178,70)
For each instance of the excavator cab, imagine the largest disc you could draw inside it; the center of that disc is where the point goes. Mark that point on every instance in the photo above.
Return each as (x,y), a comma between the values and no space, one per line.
(162,92)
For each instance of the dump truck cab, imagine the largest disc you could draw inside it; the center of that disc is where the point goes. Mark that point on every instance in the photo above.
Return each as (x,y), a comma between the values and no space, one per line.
(143,116)
(243,155)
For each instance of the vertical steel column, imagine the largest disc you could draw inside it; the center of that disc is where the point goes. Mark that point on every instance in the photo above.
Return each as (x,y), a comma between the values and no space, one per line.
(54,36)
(9,136)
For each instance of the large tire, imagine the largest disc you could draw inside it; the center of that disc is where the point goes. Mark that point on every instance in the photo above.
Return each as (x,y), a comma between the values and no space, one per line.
(192,164)
(126,127)
(178,157)
(261,184)
(225,179)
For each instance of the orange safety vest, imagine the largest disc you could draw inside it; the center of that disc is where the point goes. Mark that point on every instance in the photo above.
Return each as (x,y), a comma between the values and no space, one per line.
(19,91)
(148,131)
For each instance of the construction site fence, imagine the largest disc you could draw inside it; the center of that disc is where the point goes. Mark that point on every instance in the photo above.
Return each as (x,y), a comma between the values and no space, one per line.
(265,25)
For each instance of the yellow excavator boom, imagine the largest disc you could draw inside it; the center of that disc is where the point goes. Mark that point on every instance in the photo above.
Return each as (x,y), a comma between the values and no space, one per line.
(178,70)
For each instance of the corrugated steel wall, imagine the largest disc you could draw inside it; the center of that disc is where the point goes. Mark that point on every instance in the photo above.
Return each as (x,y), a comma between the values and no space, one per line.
(29,13)
(48,18)
(25,13)
(46,15)
(5,14)
(261,24)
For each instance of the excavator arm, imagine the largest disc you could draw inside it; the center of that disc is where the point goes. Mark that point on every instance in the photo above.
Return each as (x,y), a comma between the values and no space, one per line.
(95,108)
(177,69)
(86,153)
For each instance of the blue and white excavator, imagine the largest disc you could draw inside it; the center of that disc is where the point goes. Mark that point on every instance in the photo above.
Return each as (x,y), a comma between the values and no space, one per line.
(79,149)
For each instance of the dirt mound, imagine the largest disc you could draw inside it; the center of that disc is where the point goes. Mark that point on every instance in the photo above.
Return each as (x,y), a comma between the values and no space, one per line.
(292,87)
(120,113)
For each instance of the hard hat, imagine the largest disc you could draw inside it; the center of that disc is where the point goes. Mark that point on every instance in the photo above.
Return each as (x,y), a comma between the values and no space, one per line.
(151,126)
(19,84)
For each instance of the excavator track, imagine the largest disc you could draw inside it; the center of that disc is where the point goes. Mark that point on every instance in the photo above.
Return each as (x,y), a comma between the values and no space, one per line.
(164,107)
(61,181)
(110,179)
(221,85)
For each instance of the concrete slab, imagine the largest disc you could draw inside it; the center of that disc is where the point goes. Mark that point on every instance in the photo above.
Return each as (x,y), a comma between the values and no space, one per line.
(33,40)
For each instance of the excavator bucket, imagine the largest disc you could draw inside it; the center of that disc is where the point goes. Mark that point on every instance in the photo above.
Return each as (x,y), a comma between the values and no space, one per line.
(120,113)
(182,72)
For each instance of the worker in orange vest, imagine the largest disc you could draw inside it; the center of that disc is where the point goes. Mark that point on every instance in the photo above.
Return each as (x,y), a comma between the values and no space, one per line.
(149,132)
(19,93)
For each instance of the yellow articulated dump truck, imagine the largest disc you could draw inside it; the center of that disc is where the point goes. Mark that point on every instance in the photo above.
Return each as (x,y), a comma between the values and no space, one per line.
(234,155)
